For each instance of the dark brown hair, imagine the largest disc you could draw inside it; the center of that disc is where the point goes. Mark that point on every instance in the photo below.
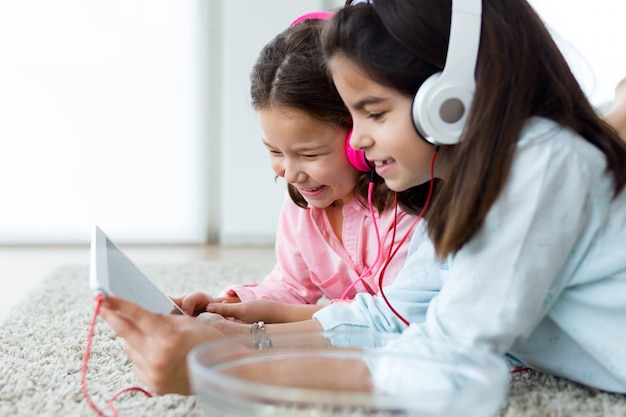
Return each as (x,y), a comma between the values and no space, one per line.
(520,74)
(290,72)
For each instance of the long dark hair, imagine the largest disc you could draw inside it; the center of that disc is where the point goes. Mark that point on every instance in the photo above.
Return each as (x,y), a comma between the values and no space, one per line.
(520,74)
(290,72)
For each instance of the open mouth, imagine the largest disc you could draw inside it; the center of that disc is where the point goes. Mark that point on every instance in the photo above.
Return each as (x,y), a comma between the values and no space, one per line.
(383,163)
(384,166)
(312,192)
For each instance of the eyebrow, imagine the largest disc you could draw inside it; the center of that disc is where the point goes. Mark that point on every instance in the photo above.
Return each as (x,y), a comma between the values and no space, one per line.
(367,101)
(302,148)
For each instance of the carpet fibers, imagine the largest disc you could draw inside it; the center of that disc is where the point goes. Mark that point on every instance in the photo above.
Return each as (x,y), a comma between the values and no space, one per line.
(43,339)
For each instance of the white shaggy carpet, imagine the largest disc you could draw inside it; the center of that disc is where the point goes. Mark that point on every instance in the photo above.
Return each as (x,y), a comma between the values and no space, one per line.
(42,342)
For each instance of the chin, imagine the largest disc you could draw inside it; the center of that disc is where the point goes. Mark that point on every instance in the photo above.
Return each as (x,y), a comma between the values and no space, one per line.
(397,186)
(319,203)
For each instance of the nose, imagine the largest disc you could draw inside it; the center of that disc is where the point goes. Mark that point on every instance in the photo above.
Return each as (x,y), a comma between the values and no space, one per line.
(290,170)
(359,139)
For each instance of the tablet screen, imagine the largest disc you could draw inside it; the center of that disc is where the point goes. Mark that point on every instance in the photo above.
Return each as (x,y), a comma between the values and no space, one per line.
(114,273)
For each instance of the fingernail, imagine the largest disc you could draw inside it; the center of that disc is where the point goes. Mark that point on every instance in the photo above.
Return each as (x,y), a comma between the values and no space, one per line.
(210,308)
(101,298)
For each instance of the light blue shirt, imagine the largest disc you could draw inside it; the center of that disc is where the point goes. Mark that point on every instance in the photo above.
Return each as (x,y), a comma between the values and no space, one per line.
(543,280)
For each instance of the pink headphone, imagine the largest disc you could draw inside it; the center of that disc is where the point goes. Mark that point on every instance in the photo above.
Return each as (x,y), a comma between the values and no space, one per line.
(355,157)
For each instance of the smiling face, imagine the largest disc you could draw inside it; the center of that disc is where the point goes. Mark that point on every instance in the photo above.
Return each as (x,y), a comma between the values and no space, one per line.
(383,127)
(309,154)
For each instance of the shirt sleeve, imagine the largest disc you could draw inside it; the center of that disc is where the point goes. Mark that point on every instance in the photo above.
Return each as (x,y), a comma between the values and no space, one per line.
(506,278)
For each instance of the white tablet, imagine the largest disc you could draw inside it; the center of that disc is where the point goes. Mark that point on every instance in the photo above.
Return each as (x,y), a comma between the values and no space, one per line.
(112,272)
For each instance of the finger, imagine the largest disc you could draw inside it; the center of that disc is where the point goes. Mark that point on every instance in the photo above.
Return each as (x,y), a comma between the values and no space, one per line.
(190,307)
(178,300)
(195,303)
(141,317)
(224,309)
(161,369)
(142,367)
(141,376)
(209,318)
(135,356)
(131,321)
(119,323)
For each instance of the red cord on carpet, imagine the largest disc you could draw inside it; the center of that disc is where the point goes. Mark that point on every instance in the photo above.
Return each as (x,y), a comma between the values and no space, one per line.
(83,375)
(521,369)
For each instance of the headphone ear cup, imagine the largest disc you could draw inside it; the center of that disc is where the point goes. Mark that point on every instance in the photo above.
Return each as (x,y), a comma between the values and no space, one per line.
(440,110)
(442,103)
(356,157)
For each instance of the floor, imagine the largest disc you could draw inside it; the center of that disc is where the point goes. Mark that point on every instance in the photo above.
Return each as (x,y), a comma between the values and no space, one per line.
(23,267)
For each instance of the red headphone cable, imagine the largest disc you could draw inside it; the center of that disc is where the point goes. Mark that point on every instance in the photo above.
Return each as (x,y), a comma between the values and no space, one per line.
(370,192)
(419,217)
(83,375)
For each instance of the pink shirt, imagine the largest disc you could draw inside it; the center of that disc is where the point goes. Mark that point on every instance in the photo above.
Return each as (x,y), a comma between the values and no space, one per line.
(312,262)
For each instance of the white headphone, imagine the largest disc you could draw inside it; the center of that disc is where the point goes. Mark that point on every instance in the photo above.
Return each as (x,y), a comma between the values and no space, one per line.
(443,101)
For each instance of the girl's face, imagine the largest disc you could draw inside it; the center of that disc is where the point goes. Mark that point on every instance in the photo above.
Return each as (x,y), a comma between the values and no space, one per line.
(383,126)
(309,154)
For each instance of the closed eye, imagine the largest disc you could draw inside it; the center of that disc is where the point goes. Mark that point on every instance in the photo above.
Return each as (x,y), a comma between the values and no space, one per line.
(375,116)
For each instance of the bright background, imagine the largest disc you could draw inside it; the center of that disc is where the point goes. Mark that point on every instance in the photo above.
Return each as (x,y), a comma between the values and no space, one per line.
(135,114)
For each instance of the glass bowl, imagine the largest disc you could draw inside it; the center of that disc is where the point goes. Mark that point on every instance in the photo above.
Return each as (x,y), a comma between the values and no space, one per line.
(344,374)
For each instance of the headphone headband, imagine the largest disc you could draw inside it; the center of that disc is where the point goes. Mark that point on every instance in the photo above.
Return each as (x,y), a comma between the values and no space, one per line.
(355,157)
(443,101)
(312,15)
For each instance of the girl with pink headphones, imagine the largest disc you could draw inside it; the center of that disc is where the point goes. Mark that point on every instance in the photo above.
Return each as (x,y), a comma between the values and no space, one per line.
(338,227)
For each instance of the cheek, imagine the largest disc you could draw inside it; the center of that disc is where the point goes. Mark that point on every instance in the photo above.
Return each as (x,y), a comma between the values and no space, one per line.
(336,172)
(276,165)
(346,177)
(418,163)
(413,148)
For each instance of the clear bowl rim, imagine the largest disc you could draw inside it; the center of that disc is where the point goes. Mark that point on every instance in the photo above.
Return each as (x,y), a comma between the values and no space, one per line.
(237,387)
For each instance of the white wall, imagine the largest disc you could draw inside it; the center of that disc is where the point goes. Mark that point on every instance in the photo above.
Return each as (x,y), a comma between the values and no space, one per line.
(592,36)
(135,114)
(100,110)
